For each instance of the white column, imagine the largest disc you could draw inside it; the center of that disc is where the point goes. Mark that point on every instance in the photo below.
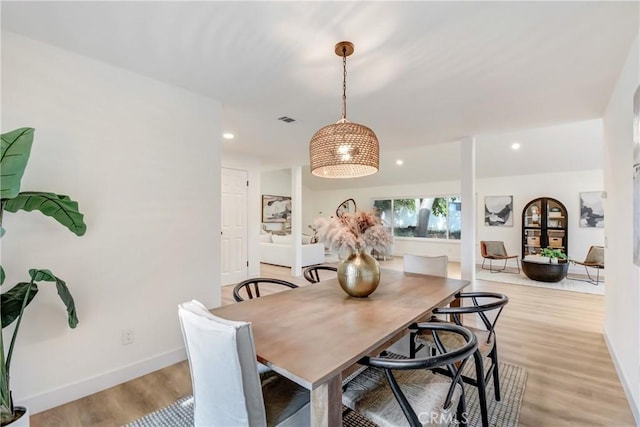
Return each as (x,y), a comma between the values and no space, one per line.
(468,195)
(296,219)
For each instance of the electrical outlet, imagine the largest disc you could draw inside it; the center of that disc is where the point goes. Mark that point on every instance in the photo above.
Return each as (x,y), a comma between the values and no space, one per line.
(128,336)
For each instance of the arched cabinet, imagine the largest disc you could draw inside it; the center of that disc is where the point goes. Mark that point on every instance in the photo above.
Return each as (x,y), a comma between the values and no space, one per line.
(544,225)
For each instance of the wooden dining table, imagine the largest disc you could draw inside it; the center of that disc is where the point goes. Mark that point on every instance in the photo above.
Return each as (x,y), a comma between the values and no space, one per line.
(313,333)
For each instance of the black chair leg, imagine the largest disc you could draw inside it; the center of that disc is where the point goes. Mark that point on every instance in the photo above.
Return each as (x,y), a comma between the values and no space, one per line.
(461,413)
(412,345)
(496,371)
(482,389)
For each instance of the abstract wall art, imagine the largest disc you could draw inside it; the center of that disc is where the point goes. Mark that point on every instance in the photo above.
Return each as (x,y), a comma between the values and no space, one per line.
(498,211)
(592,209)
(276,208)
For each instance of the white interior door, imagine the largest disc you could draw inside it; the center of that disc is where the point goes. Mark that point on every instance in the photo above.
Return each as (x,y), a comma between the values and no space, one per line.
(234,226)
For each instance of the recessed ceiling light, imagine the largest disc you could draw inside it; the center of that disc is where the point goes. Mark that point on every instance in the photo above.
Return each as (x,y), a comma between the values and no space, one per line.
(515,146)
(399,162)
(228,135)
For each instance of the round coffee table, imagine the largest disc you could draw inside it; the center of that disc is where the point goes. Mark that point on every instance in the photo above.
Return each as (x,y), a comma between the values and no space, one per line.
(545,272)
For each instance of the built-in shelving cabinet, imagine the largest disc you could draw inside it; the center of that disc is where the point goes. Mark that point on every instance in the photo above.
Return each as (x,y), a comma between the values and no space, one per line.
(544,225)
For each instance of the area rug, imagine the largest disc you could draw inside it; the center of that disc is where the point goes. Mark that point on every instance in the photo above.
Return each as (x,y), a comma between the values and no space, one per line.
(501,414)
(520,279)
(506,412)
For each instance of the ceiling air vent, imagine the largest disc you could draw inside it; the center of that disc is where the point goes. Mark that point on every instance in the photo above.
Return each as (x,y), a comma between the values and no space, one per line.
(286,119)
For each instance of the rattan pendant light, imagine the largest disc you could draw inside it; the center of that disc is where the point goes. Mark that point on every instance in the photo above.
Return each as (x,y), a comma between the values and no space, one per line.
(344,149)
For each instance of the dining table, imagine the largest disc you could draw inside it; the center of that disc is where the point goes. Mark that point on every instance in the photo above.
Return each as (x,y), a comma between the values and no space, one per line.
(311,334)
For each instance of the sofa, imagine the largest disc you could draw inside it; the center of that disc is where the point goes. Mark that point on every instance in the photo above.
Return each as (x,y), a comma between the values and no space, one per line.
(278,250)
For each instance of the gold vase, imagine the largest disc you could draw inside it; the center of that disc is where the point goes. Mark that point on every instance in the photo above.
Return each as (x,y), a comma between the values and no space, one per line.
(359,274)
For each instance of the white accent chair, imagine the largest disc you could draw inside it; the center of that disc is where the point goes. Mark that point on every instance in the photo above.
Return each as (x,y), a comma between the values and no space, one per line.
(227,388)
(432,265)
(419,264)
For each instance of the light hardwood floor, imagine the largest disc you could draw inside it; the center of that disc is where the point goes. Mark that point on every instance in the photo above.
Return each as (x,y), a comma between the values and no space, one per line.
(556,335)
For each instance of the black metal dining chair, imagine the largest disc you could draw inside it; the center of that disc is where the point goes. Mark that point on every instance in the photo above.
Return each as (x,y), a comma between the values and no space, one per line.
(487,345)
(392,390)
(251,287)
(312,274)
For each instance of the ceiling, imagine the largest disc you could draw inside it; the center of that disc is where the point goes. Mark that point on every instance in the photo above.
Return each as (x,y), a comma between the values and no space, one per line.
(423,73)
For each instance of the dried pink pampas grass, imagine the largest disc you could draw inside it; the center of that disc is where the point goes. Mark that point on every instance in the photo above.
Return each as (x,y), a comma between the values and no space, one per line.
(353,231)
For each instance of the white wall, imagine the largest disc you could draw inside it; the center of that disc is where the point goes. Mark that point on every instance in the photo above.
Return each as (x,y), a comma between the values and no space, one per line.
(142,160)
(622,300)
(254,204)
(562,186)
(308,214)
(276,182)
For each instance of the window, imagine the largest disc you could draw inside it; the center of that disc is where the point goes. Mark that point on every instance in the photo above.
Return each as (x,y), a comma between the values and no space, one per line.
(435,217)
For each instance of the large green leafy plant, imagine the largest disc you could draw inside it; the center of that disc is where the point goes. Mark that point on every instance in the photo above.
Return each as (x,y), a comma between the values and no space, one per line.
(553,253)
(16,147)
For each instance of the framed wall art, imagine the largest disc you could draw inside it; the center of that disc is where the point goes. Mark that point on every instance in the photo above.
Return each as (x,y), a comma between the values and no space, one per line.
(498,211)
(592,209)
(276,208)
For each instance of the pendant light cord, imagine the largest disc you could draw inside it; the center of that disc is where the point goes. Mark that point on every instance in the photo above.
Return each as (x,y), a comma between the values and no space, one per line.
(344,83)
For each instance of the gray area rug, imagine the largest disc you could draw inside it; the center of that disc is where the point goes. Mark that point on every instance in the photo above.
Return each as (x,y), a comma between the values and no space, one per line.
(506,412)
(520,279)
(501,414)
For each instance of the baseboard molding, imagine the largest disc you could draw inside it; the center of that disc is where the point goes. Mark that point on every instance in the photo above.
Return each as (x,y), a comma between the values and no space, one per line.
(70,392)
(625,385)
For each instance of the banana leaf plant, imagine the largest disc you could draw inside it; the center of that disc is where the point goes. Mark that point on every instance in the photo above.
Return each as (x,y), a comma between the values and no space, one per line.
(16,148)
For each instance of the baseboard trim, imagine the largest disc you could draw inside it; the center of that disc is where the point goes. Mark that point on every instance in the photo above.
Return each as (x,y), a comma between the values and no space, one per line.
(70,392)
(625,385)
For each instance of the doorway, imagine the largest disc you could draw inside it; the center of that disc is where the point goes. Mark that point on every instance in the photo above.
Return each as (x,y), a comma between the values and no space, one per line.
(234,226)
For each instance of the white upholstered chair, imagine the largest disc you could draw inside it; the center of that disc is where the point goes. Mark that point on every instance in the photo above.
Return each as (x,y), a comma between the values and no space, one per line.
(227,388)
(434,266)
(419,264)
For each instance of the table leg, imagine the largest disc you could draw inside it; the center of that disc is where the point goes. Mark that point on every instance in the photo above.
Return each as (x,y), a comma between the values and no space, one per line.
(454,303)
(326,403)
